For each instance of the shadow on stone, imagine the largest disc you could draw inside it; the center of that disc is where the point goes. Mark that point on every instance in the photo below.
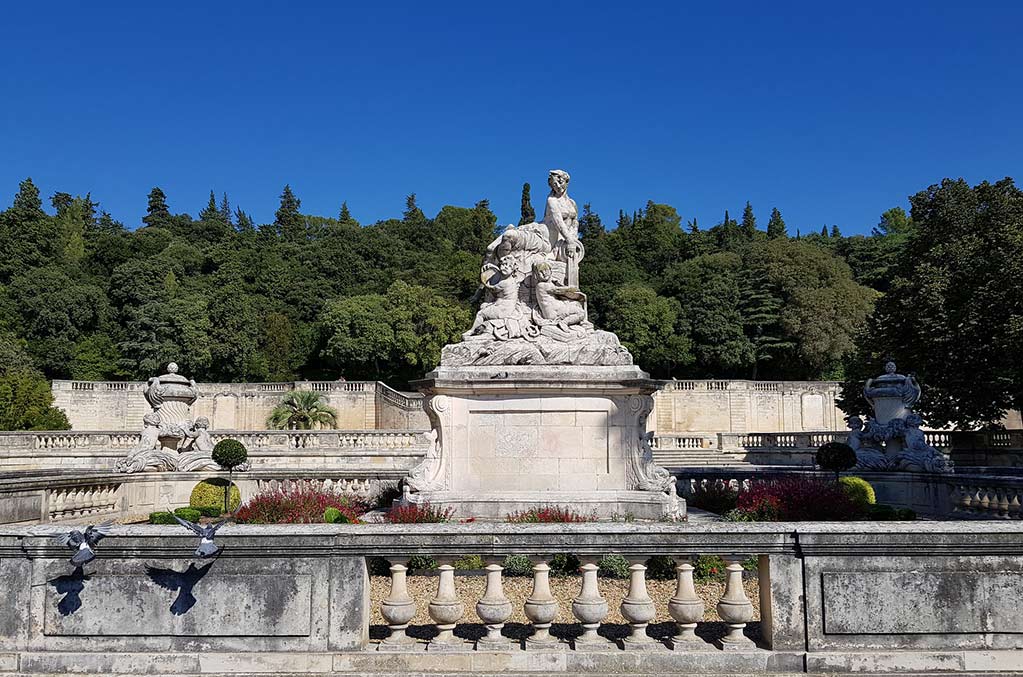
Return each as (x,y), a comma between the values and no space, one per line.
(71,586)
(182,582)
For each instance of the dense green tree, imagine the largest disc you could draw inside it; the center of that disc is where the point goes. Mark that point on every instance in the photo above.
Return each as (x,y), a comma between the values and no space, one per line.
(954,313)
(749,222)
(527,214)
(649,326)
(26,402)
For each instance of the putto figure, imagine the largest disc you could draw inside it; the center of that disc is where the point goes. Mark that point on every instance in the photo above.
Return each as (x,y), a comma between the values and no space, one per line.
(532,311)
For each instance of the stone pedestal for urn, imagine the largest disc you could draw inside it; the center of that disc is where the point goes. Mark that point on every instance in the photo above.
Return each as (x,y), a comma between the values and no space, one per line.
(510,438)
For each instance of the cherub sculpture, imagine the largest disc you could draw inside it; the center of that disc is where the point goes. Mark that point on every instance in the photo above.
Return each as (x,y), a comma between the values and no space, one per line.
(556,305)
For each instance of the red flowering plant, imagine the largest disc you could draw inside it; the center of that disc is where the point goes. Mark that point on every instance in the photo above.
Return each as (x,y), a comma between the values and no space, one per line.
(548,513)
(422,513)
(796,499)
(298,504)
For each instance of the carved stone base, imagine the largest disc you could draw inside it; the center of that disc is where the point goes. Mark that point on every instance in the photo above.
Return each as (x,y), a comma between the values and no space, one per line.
(595,347)
(515,437)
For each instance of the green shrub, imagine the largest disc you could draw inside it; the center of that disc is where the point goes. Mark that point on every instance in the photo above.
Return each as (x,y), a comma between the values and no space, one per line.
(229,453)
(881,513)
(210,494)
(836,456)
(613,566)
(905,514)
(564,565)
(210,511)
(709,568)
(161,517)
(859,490)
(469,563)
(660,567)
(190,514)
(517,565)
(334,515)
(420,562)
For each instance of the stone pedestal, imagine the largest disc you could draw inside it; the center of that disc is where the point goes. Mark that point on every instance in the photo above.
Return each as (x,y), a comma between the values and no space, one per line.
(514,437)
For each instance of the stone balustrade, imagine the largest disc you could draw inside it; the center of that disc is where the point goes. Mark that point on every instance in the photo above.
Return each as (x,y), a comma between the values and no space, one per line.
(865,598)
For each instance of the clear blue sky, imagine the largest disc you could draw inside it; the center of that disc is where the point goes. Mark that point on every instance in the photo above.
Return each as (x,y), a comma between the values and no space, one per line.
(831,112)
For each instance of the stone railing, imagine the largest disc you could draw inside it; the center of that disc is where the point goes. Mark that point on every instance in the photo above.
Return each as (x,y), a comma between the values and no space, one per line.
(755,386)
(281,387)
(952,496)
(99,450)
(675,441)
(868,598)
(53,496)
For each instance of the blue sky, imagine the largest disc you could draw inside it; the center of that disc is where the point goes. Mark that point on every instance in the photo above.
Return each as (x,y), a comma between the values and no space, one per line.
(833,112)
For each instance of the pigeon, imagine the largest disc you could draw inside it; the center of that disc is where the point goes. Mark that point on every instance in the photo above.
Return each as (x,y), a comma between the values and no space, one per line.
(207,548)
(83,543)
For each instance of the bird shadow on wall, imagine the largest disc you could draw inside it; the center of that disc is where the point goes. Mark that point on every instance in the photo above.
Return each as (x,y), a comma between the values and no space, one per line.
(182,582)
(71,586)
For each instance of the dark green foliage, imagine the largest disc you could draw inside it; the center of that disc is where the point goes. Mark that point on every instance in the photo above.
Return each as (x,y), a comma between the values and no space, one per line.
(210,494)
(209,511)
(162,517)
(527,215)
(26,402)
(835,456)
(717,497)
(229,453)
(188,514)
(314,297)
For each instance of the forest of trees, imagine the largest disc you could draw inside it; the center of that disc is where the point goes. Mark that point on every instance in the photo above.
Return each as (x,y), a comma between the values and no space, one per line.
(83,296)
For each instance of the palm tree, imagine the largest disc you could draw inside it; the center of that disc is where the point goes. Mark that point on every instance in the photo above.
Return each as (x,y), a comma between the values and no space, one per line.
(302,410)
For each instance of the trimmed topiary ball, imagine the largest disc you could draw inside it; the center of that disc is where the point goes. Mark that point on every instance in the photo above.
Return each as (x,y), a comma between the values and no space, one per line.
(836,456)
(229,453)
(859,490)
(210,494)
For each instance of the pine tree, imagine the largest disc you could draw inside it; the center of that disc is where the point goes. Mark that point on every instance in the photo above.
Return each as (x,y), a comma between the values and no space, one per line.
(835,232)
(244,221)
(623,220)
(211,212)
(413,215)
(824,231)
(288,222)
(526,209)
(345,218)
(225,210)
(776,225)
(749,222)
(27,204)
(157,213)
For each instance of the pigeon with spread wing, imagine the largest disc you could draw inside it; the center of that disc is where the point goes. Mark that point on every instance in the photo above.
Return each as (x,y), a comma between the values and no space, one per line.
(83,543)
(207,548)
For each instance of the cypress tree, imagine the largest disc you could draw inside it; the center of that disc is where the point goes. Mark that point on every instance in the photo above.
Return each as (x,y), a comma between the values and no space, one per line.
(526,209)
(211,212)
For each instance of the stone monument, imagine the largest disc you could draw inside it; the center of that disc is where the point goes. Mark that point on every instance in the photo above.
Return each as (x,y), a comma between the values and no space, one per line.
(535,406)
(171,440)
(892,439)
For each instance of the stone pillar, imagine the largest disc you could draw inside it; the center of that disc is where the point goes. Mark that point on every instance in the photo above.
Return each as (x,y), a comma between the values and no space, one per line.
(685,607)
(541,608)
(398,609)
(446,609)
(589,607)
(493,609)
(735,608)
(637,607)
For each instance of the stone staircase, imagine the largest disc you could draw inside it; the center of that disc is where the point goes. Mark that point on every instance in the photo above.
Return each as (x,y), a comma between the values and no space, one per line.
(688,458)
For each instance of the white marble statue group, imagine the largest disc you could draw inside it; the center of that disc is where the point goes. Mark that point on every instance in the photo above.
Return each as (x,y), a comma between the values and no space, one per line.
(171,440)
(532,310)
(892,439)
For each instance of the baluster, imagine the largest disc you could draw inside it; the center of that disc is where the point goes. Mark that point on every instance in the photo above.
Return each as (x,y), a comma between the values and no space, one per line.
(494,608)
(975,501)
(963,505)
(735,608)
(398,609)
(1014,506)
(541,608)
(685,606)
(446,609)
(589,607)
(1003,502)
(985,500)
(637,607)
